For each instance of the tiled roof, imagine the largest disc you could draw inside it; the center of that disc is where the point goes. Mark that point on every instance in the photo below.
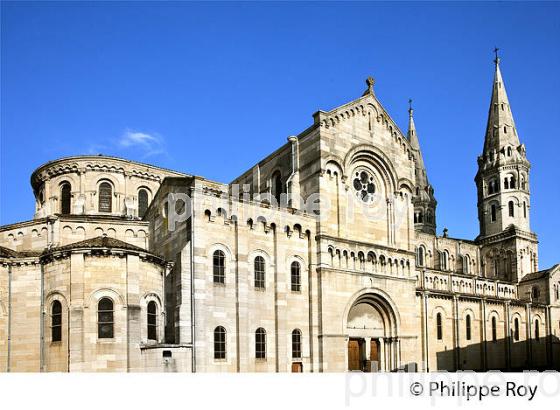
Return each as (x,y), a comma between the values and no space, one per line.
(100,242)
(540,274)
(10,253)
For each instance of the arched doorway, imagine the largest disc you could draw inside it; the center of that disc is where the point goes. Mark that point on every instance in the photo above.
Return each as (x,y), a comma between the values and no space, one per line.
(373,344)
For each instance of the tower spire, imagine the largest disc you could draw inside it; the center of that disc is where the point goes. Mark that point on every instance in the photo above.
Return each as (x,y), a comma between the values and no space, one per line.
(500,129)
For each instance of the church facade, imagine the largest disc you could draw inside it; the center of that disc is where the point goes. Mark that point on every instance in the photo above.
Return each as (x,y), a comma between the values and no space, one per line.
(322,257)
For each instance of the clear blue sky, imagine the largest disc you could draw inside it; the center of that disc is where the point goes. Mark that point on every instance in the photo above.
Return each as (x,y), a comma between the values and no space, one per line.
(210,88)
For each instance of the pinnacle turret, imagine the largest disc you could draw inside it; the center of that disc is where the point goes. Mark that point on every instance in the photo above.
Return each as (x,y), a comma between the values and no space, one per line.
(423,198)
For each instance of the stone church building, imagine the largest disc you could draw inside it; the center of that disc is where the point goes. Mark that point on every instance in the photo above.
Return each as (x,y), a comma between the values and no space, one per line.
(322,257)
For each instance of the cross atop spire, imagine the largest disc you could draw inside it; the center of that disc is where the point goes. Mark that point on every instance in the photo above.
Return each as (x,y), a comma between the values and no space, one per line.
(497,59)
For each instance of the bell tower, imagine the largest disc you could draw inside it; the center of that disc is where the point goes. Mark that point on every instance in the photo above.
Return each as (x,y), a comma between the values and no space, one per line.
(502,180)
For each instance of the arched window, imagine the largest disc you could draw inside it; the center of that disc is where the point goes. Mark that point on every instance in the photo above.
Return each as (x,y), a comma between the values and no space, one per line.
(516,329)
(296,277)
(65,198)
(420,255)
(219,267)
(512,182)
(152,321)
(219,343)
(260,343)
(277,187)
(445,260)
(296,344)
(468,327)
(56,321)
(259,272)
(496,266)
(142,202)
(439,327)
(506,183)
(467,264)
(494,330)
(105,323)
(510,208)
(537,330)
(493,213)
(105,197)
(536,293)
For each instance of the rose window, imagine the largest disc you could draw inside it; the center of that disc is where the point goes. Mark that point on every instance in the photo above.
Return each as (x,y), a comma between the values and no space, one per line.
(364,185)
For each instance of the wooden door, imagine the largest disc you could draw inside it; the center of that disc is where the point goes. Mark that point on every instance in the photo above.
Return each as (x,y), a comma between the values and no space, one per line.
(353,355)
(374,352)
(297,367)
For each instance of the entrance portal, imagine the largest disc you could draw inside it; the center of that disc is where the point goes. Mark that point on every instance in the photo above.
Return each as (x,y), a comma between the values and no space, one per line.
(373,344)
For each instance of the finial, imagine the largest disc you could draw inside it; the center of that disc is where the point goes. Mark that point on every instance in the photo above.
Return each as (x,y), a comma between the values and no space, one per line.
(370,81)
(410,110)
(497,59)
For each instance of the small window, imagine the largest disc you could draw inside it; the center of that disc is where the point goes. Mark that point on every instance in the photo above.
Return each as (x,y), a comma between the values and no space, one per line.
(511,209)
(142,202)
(467,264)
(468,327)
(56,321)
(493,213)
(65,198)
(152,320)
(537,330)
(445,260)
(260,343)
(506,183)
(259,272)
(494,330)
(420,253)
(105,324)
(219,267)
(439,327)
(535,293)
(219,343)
(105,197)
(516,329)
(296,277)
(524,210)
(296,344)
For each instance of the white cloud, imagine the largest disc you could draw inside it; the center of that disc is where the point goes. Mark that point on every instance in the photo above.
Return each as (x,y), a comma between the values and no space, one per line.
(149,144)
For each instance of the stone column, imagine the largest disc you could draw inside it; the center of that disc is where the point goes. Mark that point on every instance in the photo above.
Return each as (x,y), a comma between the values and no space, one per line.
(398,351)
(382,360)
(508,337)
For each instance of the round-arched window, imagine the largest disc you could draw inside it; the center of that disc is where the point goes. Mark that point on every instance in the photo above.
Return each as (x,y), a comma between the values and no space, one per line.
(364,185)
